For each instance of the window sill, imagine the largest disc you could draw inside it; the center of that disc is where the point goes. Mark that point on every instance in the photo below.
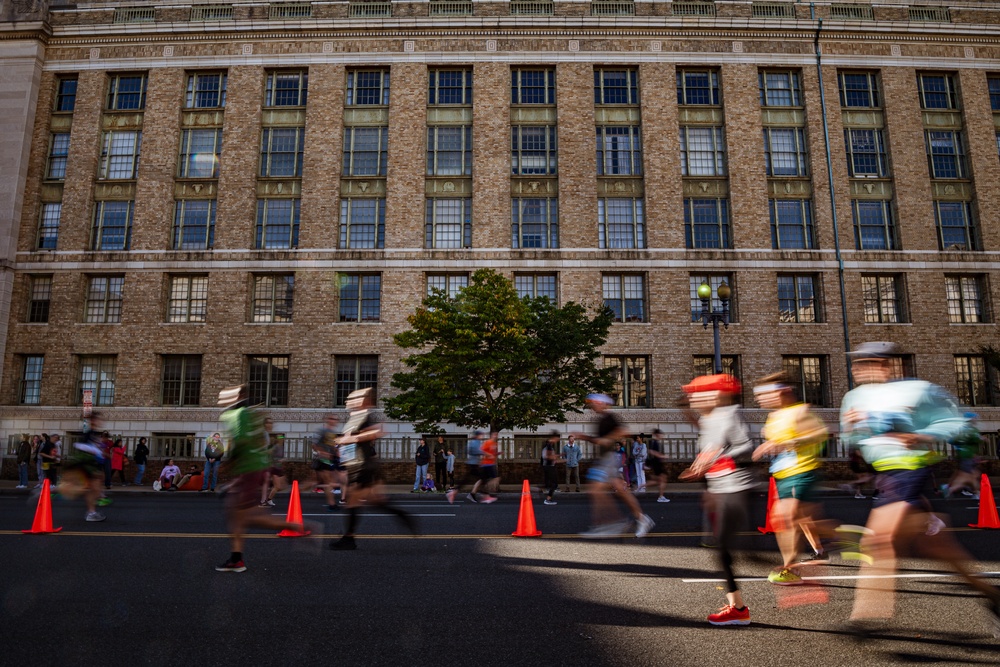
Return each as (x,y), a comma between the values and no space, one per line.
(801,324)
(888,324)
(34,324)
(362,323)
(182,324)
(970,324)
(268,324)
(97,324)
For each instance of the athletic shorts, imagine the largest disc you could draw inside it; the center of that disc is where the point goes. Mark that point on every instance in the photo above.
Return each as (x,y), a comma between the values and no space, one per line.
(906,486)
(604,469)
(245,491)
(802,487)
(486,473)
(366,478)
(656,465)
(320,465)
(967,465)
(276,471)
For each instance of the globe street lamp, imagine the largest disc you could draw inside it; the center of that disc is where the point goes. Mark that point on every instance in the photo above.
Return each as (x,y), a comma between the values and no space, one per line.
(715,316)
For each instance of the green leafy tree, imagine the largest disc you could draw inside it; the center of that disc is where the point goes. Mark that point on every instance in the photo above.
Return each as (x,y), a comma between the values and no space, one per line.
(490,358)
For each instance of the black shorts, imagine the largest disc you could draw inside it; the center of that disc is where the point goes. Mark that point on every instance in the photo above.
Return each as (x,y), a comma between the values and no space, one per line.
(320,466)
(656,465)
(366,478)
(486,473)
(896,486)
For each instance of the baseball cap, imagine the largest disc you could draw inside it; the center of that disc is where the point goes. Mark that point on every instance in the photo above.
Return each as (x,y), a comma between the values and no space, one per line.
(723,382)
(600,398)
(875,350)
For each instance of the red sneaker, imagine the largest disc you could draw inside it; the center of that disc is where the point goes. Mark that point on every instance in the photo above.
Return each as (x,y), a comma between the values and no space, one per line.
(730,615)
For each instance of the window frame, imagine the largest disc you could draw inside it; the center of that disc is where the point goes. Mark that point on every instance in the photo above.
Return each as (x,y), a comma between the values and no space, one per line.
(272,137)
(433,227)
(968,390)
(190,154)
(872,90)
(267,291)
(627,159)
(883,298)
(111,162)
(271,387)
(105,373)
(602,91)
(193,90)
(717,151)
(722,232)
(879,156)
(799,377)
(350,99)
(185,385)
(637,223)
(450,289)
(939,161)
(621,292)
(949,94)
(355,360)
(183,289)
(47,237)
(264,224)
(39,308)
(273,94)
(350,228)
(517,87)
(549,223)
(794,88)
(434,86)
(62,96)
(800,153)
(100,227)
(435,152)
(685,91)
(888,224)
(969,228)
(181,225)
(805,224)
(534,278)
(104,306)
(626,363)
(55,163)
(796,314)
(358,301)
(357,162)
(993,86)
(714,279)
(29,390)
(958,300)
(116,96)
(520,148)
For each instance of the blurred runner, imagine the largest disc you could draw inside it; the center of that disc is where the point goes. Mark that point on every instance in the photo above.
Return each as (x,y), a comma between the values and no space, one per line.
(966,476)
(488,475)
(85,468)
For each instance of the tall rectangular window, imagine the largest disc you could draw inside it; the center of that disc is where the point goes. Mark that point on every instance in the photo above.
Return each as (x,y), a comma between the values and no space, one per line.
(534,222)
(785,151)
(616,86)
(993,82)
(703,151)
(286,89)
(533,150)
(206,90)
(448,223)
(621,223)
(39,299)
(966,299)
(537,285)
(104,300)
(779,88)
(706,223)
(48,226)
(697,87)
(127,92)
(354,373)
(713,280)
(194,224)
(972,380)
(360,297)
(97,375)
(368,88)
(449,150)
(268,380)
(631,381)
(873,225)
(281,152)
(181,380)
(955,226)
(945,154)
(937,91)
(112,225)
(31,380)
(200,152)
(859,90)
(809,372)
(448,283)
(66,94)
(188,301)
(791,224)
(797,299)
(449,87)
(277,223)
(365,151)
(704,364)
(273,295)
(532,86)
(883,298)
(58,153)
(362,223)
(120,155)
(625,295)
(866,155)
(619,150)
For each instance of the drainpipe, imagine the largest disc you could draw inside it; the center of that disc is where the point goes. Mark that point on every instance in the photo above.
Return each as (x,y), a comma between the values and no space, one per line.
(833,198)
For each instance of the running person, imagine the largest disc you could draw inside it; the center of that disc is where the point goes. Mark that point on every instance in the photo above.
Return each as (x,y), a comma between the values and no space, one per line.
(966,445)
(488,476)
(793,436)
(325,459)
(248,460)
(895,424)
(471,475)
(85,468)
(275,478)
(359,454)
(724,452)
(603,477)
(655,463)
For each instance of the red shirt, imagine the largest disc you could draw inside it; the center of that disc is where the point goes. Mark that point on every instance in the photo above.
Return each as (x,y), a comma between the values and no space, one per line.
(489,450)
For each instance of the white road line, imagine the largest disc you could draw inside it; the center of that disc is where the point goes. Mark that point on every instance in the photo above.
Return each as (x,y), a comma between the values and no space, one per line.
(364,514)
(922,575)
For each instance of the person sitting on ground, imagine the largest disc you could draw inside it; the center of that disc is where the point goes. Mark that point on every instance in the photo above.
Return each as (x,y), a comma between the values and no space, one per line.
(192,471)
(428,486)
(170,475)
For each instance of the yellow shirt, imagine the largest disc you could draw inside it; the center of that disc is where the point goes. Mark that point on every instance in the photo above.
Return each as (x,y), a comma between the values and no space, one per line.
(785,426)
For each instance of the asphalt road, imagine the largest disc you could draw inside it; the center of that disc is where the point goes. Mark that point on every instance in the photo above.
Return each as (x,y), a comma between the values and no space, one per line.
(140,589)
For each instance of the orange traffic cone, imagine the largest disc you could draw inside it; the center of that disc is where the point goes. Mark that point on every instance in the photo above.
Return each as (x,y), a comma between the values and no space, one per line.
(772,495)
(43,514)
(987,506)
(294,513)
(526,517)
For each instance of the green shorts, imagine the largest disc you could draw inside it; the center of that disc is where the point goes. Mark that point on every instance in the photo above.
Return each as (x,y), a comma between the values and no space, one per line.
(802,487)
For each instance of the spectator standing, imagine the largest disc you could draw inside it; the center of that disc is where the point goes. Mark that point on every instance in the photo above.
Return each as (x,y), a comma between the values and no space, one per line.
(215,449)
(422,457)
(36,449)
(571,452)
(549,460)
(639,454)
(106,445)
(655,457)
(450,468)
(139,458)
(118,460)
(49,456)
(440,463)
(23,458)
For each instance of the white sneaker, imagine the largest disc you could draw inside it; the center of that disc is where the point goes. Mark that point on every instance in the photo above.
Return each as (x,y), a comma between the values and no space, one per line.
(663,499)
(644,525)
(20,486)
(859,495)
(607,530)
(550,502)
(95,516)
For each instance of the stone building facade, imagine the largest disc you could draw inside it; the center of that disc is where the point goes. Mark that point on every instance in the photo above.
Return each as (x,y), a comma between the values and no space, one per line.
(200,195)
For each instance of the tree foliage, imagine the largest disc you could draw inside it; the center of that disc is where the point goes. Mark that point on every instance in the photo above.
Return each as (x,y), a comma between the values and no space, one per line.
(488,358)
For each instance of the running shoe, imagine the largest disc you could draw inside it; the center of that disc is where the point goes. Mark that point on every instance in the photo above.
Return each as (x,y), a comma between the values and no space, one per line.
(785,577)
(815,558)
(332,508)
(95,516)
(606,531)
(488,499)
(643,525)
(967,493)
(663,499)
(730,615)
(549,502)
(346,543)
(262,504)
(269,503)
(21,486)
(232,566)
(451,496)
(859,495)
(471,498)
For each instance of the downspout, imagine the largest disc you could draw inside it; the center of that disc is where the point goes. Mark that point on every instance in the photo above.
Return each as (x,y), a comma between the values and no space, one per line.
(833,198)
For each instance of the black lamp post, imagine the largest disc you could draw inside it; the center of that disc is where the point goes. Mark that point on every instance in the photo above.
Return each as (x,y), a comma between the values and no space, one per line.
(715,316)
